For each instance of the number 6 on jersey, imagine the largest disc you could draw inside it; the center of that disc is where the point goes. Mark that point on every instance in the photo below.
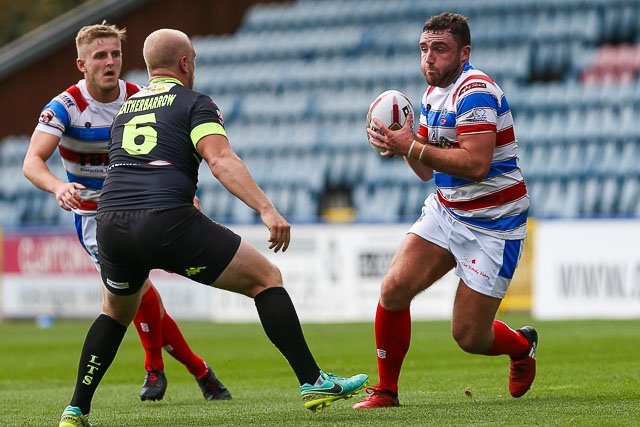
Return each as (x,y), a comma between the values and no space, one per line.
(138,139)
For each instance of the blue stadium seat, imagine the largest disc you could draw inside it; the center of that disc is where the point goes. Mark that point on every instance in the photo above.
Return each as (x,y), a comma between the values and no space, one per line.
(305,205)
(629,200)
(378,203)
(571,198)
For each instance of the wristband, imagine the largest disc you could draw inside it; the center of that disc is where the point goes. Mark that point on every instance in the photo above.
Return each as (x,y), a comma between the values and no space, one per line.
(411,148)
(411,154)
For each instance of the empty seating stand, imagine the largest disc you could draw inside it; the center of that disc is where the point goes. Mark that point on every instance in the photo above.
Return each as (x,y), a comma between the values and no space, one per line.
(295,105)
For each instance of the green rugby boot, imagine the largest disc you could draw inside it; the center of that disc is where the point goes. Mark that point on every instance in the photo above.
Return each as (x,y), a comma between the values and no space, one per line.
(72,416)
(333,388)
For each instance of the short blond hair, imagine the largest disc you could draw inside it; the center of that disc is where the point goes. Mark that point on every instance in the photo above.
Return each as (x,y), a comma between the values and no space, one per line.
(86,35)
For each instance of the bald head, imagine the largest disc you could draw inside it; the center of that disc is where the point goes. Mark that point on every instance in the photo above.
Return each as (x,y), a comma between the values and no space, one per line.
(166,52)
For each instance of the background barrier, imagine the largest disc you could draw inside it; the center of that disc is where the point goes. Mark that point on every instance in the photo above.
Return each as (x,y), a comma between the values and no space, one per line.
(569,269)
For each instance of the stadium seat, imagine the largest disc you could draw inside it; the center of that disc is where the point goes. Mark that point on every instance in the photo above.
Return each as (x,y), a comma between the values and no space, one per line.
(629,199)
(305,204)
(379,203)
(571,198)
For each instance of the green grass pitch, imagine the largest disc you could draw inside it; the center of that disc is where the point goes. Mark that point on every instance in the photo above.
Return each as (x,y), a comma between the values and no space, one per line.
(588,375)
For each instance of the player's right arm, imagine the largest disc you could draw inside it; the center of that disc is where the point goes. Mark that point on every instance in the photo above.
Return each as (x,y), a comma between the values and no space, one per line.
(35,169)
(423,171)
(231,171)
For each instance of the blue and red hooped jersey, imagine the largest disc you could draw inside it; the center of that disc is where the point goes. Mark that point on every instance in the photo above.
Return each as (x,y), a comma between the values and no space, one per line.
(474,103)
(83,125)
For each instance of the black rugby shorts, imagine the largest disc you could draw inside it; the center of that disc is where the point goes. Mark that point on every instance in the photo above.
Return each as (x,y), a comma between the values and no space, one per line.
(182,240)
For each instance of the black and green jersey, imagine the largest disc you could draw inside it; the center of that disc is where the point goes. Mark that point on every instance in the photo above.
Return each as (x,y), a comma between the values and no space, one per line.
(153,162)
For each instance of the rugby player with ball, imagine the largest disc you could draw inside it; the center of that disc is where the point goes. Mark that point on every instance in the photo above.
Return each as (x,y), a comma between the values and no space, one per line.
(475,222)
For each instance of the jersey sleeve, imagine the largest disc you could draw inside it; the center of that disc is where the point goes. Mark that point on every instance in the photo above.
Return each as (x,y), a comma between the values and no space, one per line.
(477,106)
(54,118)
(206,120)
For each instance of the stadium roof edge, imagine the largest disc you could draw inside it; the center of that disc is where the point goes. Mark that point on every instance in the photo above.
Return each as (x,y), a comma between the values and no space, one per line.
(28,48)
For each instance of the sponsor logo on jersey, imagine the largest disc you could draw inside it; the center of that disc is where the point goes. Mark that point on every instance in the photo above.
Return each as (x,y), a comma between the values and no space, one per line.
(156,88)
(472,85)
(443,116)
(445,142)
(47,115)
(162,88)
(94,170)
(477,116)
(67,100)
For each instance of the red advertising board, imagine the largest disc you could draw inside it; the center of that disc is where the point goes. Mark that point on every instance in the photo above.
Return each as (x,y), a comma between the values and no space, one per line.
(45,254)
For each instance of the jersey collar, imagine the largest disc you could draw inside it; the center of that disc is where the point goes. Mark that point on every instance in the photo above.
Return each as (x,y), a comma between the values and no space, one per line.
(165,80)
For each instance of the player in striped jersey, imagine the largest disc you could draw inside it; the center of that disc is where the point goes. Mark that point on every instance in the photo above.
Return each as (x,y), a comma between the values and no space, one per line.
(78,122)
(475,222)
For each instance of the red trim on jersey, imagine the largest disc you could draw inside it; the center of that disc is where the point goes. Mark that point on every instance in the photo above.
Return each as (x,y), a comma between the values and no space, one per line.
(131,89)
(93,159)
(76,94)
(475,128)
(475,77)
(497,198)
(505,136)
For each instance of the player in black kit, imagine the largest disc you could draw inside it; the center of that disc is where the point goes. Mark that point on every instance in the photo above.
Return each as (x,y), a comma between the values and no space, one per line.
(146,220)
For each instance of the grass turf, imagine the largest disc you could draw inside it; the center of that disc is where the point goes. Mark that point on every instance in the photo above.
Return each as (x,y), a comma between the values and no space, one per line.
(588,374)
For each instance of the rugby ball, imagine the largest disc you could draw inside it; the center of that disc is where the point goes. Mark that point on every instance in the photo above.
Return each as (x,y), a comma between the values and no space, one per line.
(391,107)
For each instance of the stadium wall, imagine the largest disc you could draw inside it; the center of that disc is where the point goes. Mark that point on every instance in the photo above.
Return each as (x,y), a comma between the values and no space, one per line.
(32,83)
(333,273)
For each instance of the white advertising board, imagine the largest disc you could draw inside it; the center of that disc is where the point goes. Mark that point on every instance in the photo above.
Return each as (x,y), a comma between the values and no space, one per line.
(587,269)
(332,272)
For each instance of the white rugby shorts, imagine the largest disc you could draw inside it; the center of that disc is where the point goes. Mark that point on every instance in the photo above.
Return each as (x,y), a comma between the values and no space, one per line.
(485,263)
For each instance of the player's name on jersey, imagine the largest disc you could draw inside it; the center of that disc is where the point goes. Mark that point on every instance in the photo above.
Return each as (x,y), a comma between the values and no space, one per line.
(136,105)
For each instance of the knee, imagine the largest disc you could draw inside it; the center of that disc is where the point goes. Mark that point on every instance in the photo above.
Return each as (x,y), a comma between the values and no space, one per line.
(121,313)
(275,277)
(394,297)
(271,278)
(468,341)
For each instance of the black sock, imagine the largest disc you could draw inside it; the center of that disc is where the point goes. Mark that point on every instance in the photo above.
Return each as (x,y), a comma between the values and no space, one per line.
(281,324)
(100,348)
